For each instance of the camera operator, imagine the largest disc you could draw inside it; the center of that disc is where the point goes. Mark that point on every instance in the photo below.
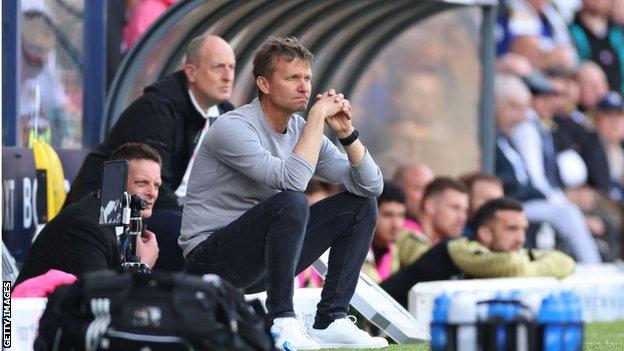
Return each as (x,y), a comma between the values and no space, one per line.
(74,242)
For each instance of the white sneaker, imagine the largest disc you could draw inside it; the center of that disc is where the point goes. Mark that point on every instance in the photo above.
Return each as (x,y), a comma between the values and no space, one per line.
(289,335)
(343,333)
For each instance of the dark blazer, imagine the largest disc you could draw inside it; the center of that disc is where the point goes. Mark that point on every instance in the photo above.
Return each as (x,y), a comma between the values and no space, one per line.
(513,188)
(595,157)
(163,117)
(73,242)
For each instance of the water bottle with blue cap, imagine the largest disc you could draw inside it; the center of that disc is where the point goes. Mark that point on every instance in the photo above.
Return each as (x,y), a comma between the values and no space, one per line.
(573,331)
(552,315)
(440,323)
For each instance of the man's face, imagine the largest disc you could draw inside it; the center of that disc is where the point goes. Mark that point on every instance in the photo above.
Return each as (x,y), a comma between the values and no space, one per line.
(290,85)
(390,222)
(414,186)
(610,126)
(449,211)
(213,76)
(484,191)
(509,113)
(144,180)
(507,231)
(593,87)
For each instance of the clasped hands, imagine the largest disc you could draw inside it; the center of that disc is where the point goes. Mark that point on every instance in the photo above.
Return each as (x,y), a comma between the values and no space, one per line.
(335,110)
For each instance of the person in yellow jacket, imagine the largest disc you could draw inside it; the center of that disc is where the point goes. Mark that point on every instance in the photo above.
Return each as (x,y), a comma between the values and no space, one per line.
(496,251)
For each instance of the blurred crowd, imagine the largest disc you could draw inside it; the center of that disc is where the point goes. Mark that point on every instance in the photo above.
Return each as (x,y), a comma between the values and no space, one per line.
(559,140)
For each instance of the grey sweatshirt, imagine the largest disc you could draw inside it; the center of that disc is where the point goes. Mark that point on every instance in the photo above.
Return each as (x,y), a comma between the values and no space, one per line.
(243,161)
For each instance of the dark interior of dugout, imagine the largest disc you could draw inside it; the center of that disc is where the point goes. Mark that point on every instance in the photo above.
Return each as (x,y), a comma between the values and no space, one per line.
(344,35)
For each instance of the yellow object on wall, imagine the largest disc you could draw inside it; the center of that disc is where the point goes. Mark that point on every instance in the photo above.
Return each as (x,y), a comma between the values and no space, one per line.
(50,169)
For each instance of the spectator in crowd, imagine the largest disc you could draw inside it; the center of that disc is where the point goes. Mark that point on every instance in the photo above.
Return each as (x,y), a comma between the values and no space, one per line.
(246,217)
(75,243)
(593,85)
(570,128)
(537,31)
(497,251)
(482,188)
(599,39)
(413,178)
(607,165)
(141,16)
(552,162)
(512,102)
(444,209)
(569,124)
(383,258)
(171,116)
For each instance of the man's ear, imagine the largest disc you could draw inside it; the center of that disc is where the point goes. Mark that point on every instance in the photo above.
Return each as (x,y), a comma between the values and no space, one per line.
(189,71)
(484,235)
(263,84)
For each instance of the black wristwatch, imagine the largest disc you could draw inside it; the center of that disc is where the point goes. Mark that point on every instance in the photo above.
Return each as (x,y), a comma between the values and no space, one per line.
(350,139)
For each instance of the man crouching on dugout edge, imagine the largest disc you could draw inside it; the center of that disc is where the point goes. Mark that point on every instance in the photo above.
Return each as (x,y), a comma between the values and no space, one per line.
(246,217)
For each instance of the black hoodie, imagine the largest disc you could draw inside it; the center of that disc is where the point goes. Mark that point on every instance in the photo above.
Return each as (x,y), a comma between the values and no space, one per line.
(164,118)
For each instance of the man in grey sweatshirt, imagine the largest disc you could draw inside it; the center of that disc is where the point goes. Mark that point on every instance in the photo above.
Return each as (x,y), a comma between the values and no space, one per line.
(246,217)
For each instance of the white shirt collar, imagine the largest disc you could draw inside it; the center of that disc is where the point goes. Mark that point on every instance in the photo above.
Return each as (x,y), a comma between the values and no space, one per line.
(207,113)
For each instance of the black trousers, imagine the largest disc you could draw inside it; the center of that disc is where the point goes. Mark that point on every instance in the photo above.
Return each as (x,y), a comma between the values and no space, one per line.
(280,237)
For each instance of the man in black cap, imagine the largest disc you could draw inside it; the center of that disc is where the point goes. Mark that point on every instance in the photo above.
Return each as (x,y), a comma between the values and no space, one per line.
(605,163)
(605,160)
(520,163)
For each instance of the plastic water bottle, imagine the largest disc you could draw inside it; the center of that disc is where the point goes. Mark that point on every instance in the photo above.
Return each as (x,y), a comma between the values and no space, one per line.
(499,311)
(531,302)
(551,315)
(463,311)
(439,323)
(573,331)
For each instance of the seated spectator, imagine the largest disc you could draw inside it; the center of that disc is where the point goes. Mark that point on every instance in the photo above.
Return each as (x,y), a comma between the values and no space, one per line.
(383,259)
(413,178)
(607,164)
(444,206)
(500,226)
(512,99)
(599,39)
(593,85)
(536,30)
(75,243)
(552,161)
(481,189)
(444,209)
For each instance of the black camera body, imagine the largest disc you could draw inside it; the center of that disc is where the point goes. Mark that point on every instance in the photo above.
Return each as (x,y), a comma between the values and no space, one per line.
(133,229)
(118,208)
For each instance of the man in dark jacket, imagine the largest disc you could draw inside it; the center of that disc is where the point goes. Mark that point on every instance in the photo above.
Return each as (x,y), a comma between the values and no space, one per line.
(496,251)
(171,116)
(74,242)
